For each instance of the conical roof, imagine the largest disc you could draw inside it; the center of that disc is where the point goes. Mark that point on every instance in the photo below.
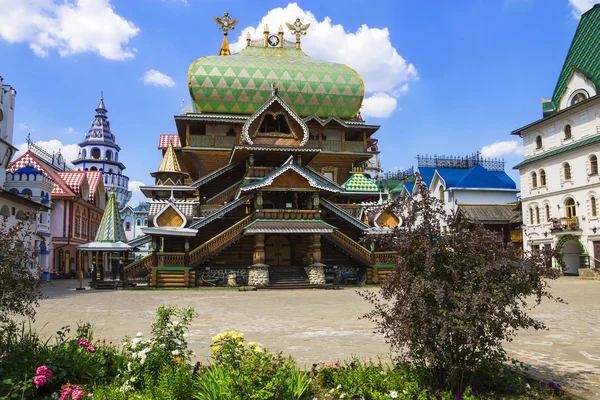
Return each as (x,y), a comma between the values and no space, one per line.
(169,162)
(111,227)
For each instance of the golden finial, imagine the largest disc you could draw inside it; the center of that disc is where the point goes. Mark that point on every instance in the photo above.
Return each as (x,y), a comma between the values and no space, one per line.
(545,101)
(226,23)
(298,29)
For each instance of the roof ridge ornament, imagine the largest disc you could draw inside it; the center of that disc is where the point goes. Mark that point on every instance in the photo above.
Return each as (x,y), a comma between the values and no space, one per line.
(226,24)
(298,29)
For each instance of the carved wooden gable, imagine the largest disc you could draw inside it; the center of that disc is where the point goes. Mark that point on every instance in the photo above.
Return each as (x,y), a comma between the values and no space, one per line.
(290,179)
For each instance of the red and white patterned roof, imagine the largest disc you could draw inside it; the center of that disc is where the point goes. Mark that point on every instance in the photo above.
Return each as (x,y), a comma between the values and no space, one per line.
(94,177)
(73,179)
(169,138)
(60,187)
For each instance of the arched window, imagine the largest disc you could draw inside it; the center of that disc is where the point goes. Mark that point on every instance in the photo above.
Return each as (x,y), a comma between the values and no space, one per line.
(567,171)
(145,222)
(531,215)
(533,180)
(542,177)
(547,212)
(567,131)
(127,226)
(20,214)
(538,142)
(138,222)
(570,208)
(272,123)
(27,193)
(83,153)
(593,165)
(96,153)
(116,156)
(93,169)
(593,206)
(442,199)
(537,215)
(108,155)
(579,97)
(5,211)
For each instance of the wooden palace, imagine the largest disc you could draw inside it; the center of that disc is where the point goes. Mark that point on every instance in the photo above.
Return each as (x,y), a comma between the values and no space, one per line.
(267,173)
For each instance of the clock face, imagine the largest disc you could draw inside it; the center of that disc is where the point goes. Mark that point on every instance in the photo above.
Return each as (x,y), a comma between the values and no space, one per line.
(273,40)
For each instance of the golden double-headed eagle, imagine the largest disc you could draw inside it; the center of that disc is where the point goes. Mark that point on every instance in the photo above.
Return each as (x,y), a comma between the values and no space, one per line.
(298,28)
(226,23)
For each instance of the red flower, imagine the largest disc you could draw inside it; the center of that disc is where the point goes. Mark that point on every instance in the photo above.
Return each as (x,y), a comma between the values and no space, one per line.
(39,380)
(91,349)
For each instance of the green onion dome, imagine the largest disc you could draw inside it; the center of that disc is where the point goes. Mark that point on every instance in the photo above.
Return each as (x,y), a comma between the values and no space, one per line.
(241,83)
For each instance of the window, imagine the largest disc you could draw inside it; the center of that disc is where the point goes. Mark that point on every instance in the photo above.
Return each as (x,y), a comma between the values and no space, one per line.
(593,207)
(274,123)
(95,153)
(145,222)
(27,193)
(567,131)
(5,211)
(538,142)
(542,177)
(108,155)
(442,199)
(567,171)
(533,180)
(547,212)
(579,97)
(531,215)
(570,208)
(127,226)
(593,165)
(138,222)
(535,249)
(83,153)
(93,169)
(537,215)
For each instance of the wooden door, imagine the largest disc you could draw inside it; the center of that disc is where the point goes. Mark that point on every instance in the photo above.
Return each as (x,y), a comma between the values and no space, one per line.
(278,251)
(597,254)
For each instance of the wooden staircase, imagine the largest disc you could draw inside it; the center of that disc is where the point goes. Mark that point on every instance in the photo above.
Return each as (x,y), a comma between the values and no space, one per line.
(165,277)
(350,247)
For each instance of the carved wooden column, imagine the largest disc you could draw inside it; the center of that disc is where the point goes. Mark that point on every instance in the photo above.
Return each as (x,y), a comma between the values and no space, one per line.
(321,138)
(316,270)
(186,256)
(154,251)
(316,248)
(365,141)
(343,140)
(187,133)
(258,272)
(94,268)
(309,249)
(259,249)
(213,127)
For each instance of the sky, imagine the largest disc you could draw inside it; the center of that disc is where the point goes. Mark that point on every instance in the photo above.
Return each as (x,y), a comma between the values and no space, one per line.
(442,77)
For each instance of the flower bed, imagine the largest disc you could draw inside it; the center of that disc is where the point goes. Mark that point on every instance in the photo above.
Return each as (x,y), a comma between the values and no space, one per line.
(78,366)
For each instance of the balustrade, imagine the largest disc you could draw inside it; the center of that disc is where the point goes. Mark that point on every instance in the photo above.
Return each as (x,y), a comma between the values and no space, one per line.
(170,259)
(221,239)
(353,146)
(225,195)
(206,141)
(137,266)
(289,214)
(352,245)
(259,172)
(386,257)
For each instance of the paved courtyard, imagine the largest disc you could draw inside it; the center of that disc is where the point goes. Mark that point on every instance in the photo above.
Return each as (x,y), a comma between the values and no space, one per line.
(315,325)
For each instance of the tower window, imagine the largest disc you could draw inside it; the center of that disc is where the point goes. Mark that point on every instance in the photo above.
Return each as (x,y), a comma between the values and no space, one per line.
(593,206)
(533,180)
(83,153)
(570,208)
(274,124)
(547,212)
(579,97)
(567,131)
(96,153)
(538,142)
(593,165)
(442,199)
(542,177)
(567,171)
(537,215)
(109,155)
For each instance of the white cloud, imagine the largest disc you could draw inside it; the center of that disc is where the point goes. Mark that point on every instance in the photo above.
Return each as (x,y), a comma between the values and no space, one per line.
(136,193)
(580,6)
(68,151)
(379,105)
(70,130)
(25,127)
(69,27)
(499,149)
(154,77)
(368,50)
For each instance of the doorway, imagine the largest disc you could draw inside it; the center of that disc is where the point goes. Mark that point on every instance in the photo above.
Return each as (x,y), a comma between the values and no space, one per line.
(571,253)
(278,251)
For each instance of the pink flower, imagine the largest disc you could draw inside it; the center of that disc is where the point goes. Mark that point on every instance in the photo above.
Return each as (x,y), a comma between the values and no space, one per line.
(44,371)
(3,354)
(83,343)
(39,380)
(77,394)
(91,349)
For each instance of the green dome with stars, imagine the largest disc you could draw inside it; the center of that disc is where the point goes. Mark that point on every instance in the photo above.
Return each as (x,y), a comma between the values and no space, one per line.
(241,83)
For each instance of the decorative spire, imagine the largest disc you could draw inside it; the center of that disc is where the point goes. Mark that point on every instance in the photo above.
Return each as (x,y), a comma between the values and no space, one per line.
(101,109)
(298,29)
(100,129)
(111,229)
(226,24)
(169,162)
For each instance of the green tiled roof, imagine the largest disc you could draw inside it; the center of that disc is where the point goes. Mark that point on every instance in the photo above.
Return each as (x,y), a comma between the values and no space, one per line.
(358,182)
(241,83)
(110,229)
(576,145)
(583,54)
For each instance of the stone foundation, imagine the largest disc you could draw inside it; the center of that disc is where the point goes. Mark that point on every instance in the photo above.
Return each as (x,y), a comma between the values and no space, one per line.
(223,273)
(258,275)
(316,273)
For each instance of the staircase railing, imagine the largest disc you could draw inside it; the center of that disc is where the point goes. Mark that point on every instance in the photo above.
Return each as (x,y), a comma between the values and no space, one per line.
(170,259)
(353,246)
(210,246)
(385,257)
(225,195)
(139,265)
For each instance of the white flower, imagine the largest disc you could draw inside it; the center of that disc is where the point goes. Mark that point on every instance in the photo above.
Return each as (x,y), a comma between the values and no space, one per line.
(175,352)
(139,334)
(54,395)
(339,387)
(382,372)
(342,395)
(185,335)
(178,342)
(527,386)
(136,340)
(394,394)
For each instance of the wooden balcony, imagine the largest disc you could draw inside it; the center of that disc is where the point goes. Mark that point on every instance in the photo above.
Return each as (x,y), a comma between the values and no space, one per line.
(352,146)
(212,141)
(288,214)
(259,172)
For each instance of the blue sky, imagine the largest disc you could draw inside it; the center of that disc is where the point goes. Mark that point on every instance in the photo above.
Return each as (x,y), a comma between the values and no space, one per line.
(442,77)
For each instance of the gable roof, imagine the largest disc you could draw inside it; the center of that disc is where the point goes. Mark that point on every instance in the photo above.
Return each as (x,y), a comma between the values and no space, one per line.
(427,174)
(476,177)
(169,139)
(583,53)
(358,182)
(60,187)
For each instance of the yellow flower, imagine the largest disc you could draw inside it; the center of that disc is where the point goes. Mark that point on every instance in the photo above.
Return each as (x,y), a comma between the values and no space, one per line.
(216,348)
(177,359)
(252,344)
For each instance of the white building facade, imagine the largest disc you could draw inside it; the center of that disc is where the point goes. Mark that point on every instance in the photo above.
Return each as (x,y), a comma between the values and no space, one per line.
(560,184)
